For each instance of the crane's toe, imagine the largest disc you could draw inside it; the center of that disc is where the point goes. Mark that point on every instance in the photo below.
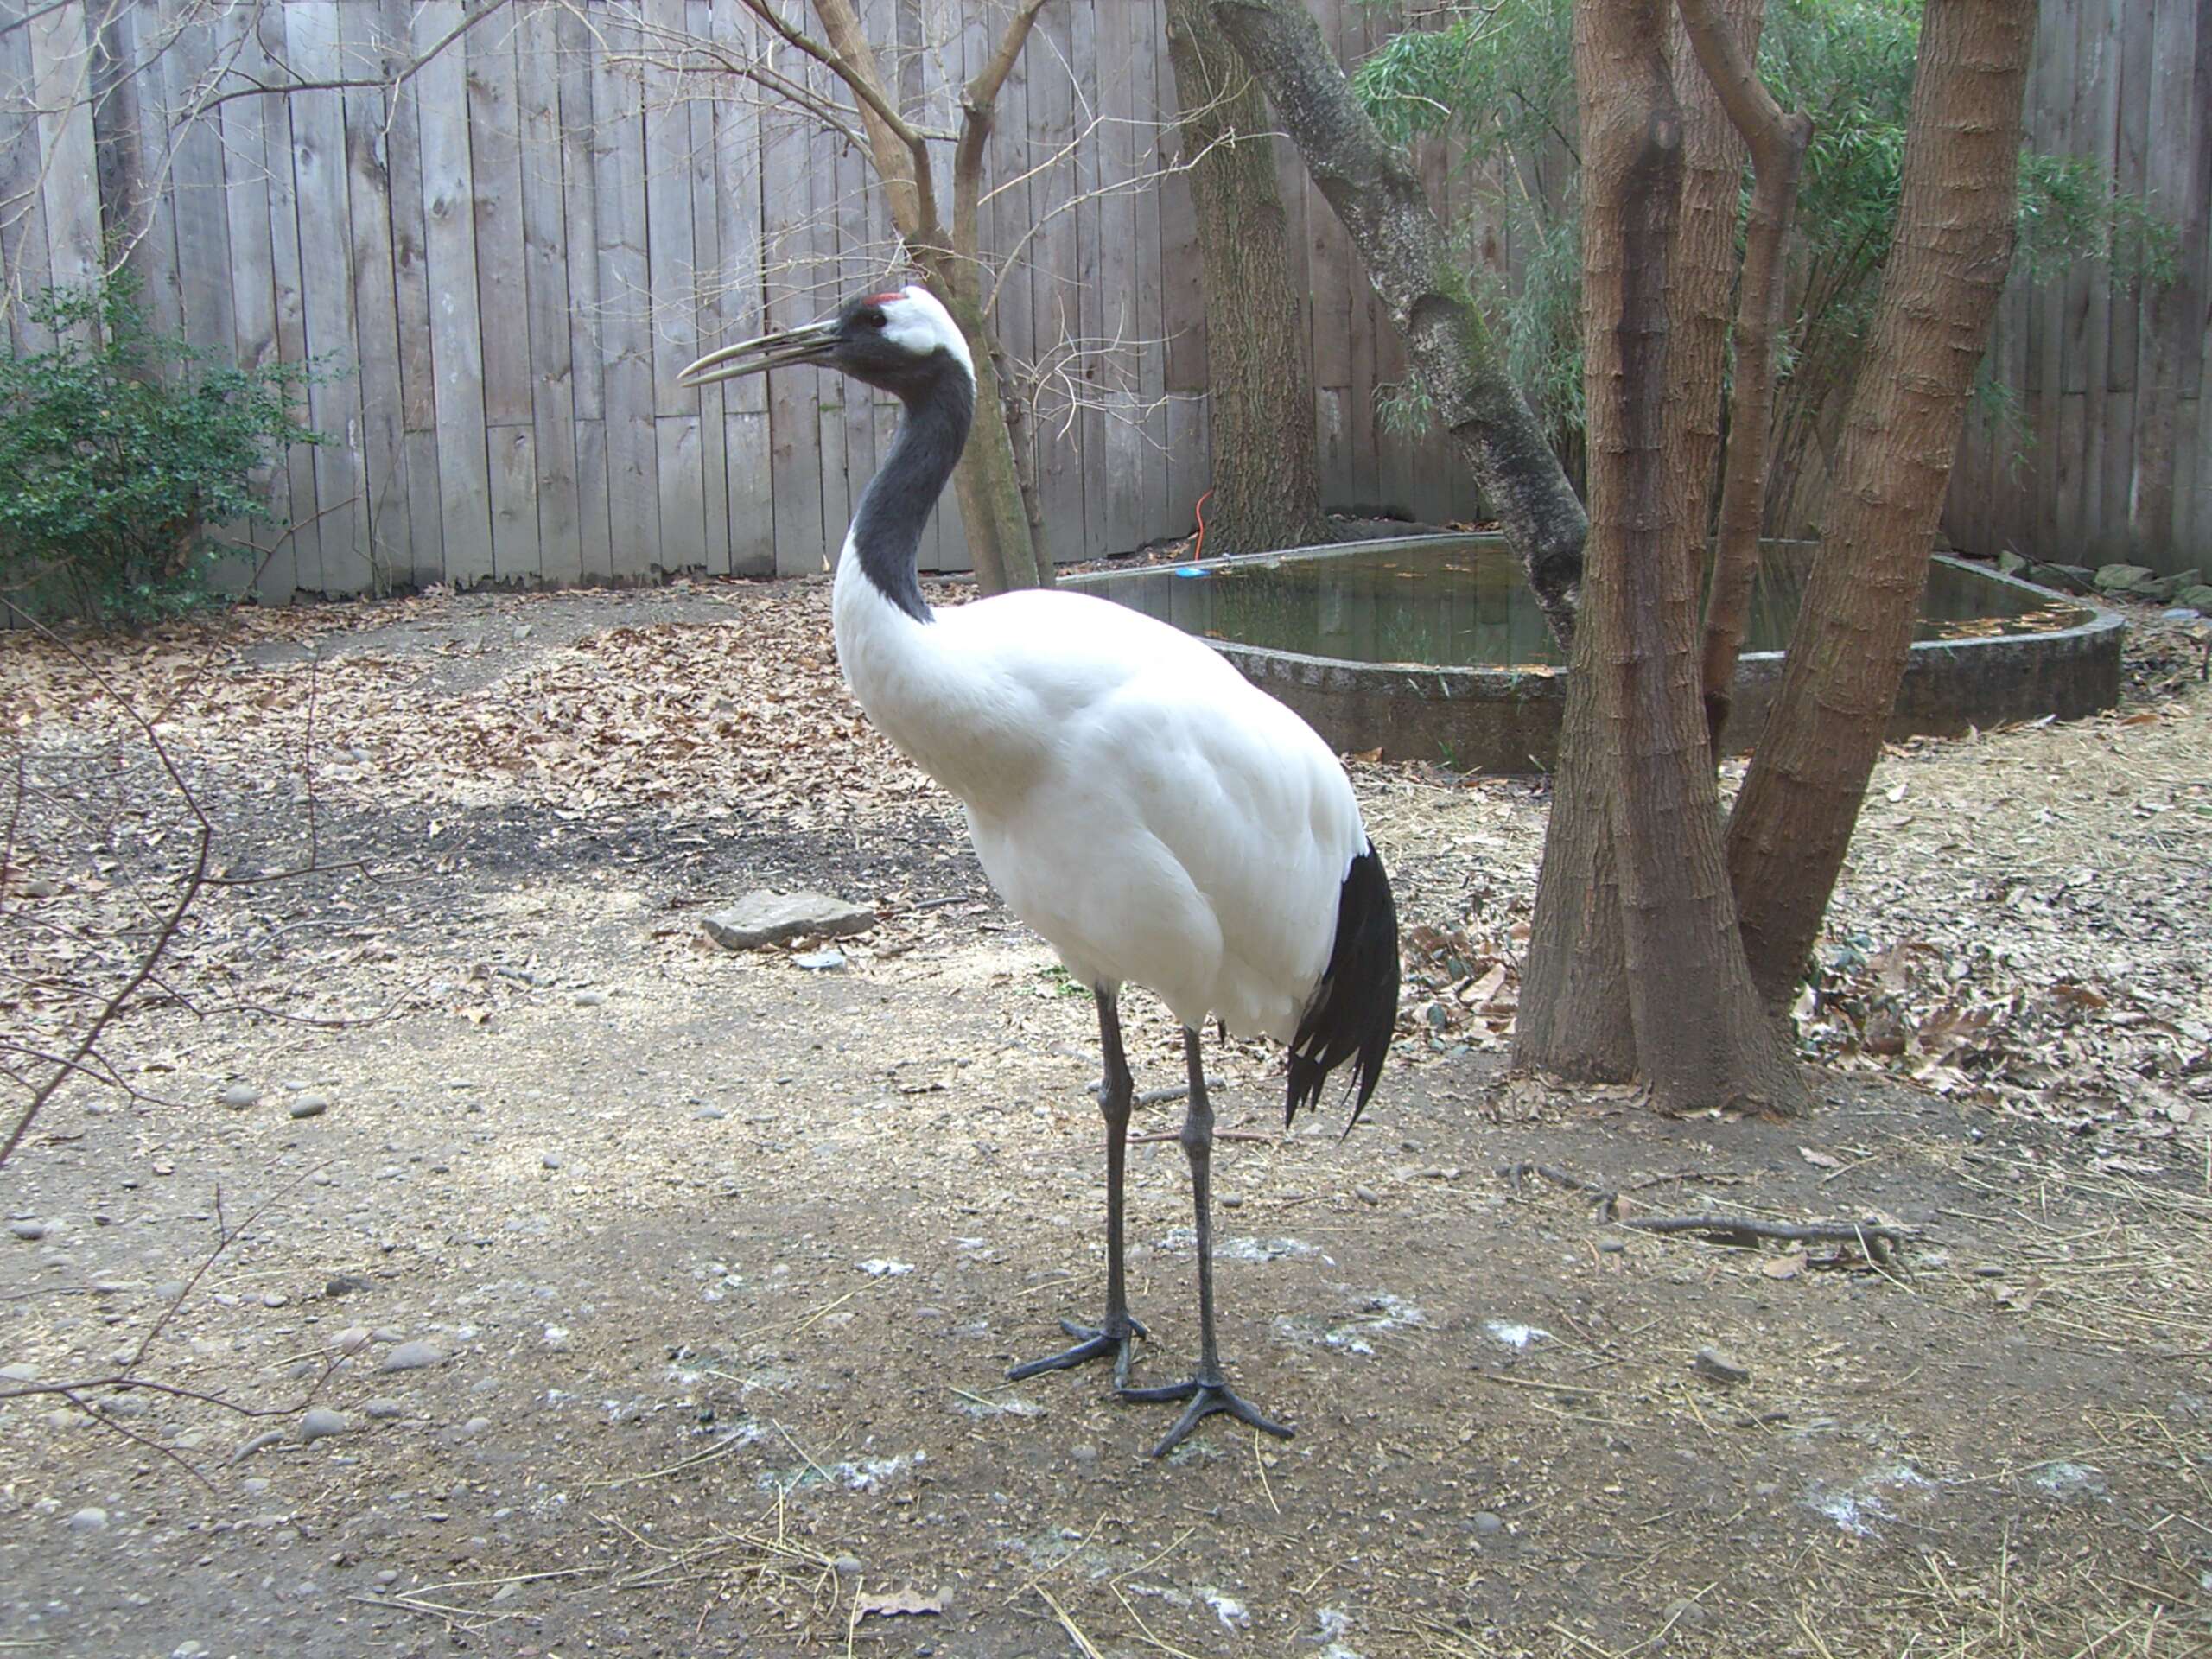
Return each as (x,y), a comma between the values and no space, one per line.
(1092,1343)
(1205,1399)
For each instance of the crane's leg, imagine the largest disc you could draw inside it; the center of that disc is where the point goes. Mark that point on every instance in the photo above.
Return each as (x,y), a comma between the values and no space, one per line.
(1116,1092)
(1207,1392)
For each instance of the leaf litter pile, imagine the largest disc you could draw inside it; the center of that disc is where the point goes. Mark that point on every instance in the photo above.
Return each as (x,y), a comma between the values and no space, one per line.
(2022,933)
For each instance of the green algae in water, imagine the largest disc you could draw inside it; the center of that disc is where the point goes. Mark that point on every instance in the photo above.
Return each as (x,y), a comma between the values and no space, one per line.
(1444,602)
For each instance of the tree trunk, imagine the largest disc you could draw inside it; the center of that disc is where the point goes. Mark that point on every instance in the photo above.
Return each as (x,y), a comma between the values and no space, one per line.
(1701,1037)
(1267,489)
(1800,802)
(1727,49)
(1574,1019)
(1386,212)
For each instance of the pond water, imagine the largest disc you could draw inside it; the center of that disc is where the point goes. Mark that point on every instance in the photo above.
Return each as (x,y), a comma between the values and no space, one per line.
(1463,601)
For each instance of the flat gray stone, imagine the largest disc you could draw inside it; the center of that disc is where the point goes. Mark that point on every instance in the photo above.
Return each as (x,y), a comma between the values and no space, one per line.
(2124,578)
(1719,1367)
(412,1356)
(239,1096)
(383,1411)
(29,1231)
(763,917)
(91,1518)
(309,1106)
(321,1422)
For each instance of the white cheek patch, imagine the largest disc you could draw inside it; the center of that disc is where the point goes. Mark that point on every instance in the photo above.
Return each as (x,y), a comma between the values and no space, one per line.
(915,322)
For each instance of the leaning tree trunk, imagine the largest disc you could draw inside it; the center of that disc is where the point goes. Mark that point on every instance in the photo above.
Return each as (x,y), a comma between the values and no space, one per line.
(1800,802)
(1701,1036)
(1387,215)
(1267,486)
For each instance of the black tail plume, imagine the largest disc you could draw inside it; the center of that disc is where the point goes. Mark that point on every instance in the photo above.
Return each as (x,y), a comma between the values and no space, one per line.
(1355,1008)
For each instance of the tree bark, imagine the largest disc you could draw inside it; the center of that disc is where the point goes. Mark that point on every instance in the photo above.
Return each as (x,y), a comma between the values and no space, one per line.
(1387,214)
(1727,46)
(1800,802)
(1701,1038)
(1267,488)
(1574,1019)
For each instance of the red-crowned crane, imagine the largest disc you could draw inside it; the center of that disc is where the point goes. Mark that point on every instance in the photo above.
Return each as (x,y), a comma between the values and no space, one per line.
(1155,817)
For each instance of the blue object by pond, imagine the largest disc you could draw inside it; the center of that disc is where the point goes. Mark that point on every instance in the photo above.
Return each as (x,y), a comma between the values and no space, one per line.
(1191,570)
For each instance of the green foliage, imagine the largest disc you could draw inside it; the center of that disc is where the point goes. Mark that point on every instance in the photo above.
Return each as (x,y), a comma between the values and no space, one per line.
(1499,83)
(120,452)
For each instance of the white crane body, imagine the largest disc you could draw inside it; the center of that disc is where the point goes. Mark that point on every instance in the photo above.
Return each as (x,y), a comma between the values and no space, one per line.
(1132,797)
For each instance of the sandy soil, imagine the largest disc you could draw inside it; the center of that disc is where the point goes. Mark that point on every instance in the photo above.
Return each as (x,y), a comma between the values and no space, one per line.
(716,1262)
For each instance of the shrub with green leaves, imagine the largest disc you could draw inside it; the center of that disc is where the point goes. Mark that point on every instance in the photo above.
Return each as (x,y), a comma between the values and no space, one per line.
(1498,82)
(122,451)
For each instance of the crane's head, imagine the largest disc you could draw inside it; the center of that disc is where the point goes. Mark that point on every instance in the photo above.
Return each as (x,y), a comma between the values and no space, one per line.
(901,341)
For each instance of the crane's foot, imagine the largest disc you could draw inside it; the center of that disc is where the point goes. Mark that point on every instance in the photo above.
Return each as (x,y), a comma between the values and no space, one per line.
(1092,1343)
(1205,1399)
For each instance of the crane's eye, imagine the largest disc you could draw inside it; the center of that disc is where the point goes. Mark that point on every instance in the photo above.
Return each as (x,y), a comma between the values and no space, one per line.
(871,318)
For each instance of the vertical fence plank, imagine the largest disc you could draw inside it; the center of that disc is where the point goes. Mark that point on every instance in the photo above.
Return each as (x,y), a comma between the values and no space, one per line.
(510,413)
(24,266)
(575,47)
(372,53)
(671,265)
(61,71)
(626,304)
(750,488)
(399,138)
(706,291)
(315,53)
(456,337)
(559,554)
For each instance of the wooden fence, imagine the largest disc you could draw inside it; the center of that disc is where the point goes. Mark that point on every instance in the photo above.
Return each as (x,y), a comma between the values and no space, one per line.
(511,259)
(2110,456)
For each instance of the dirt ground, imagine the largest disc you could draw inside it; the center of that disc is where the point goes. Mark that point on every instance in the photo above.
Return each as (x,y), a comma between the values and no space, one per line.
(664,1294)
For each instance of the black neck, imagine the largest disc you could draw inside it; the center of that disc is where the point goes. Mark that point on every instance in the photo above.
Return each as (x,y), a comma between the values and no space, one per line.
(887,529)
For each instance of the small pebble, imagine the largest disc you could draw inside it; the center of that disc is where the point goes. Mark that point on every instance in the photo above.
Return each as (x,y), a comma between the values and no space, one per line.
(412,1356)
(388,1575)
(274,1299)
(239,1096)
(352,1339)
(22,1371)
(551,1160)
(1085,1454)
(91,1518)
(590,999)
(309,1106)
(259,1442)
(1719,1367)
(846,1566)
(474,1426)
(820,961)
(320,1422)
(381,1410)
(27,1229)
(1485,1523)
(1367,1195)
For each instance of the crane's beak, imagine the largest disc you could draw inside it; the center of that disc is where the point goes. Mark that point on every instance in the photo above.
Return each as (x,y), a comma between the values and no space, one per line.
(810,344)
